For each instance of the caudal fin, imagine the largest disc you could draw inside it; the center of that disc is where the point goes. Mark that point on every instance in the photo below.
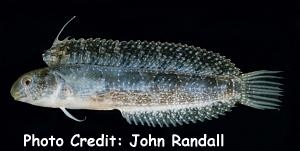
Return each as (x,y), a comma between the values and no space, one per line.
(260,89)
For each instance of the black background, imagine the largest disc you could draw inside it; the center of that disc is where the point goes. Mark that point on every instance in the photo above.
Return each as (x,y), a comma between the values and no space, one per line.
(252,37)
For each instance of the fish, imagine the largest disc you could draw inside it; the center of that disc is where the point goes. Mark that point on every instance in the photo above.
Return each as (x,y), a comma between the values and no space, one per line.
(150,83)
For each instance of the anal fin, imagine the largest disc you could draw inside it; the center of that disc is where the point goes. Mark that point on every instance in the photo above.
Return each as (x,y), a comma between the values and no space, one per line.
(175,116)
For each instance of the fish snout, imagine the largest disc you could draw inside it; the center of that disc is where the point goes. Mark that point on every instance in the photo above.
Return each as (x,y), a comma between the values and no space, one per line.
(17,91)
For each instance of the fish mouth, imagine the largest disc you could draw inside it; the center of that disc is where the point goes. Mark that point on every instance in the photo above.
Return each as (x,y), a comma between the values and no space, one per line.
(17,92)
(18,96)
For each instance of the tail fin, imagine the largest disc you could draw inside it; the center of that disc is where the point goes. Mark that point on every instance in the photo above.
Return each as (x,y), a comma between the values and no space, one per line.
(260,91)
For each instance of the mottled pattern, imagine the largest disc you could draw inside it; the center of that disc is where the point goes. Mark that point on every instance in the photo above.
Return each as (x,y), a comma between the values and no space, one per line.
(133,88)
(150,97)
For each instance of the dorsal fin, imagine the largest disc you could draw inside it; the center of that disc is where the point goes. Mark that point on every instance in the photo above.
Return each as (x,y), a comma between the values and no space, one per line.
(142,55)
(56,40)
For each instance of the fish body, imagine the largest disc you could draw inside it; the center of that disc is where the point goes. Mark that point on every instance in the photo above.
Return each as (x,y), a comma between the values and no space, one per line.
(151,83)
(126,88)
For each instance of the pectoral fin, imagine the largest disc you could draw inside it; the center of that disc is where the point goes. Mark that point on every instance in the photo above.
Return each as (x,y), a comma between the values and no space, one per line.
(71,116)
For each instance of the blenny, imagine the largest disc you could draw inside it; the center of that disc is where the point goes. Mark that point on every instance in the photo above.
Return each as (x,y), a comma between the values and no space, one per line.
(151,83)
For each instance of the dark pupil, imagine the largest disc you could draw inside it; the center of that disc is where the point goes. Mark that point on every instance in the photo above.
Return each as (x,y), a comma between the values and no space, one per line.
(27,82)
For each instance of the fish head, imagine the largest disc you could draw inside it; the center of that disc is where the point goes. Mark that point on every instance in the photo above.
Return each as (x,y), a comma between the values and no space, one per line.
(33,87)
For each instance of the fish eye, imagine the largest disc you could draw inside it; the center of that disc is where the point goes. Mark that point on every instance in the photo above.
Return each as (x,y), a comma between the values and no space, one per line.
(26,81)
